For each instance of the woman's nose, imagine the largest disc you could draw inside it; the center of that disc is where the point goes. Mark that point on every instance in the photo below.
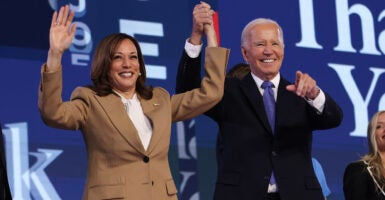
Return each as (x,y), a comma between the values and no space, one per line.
(126,62)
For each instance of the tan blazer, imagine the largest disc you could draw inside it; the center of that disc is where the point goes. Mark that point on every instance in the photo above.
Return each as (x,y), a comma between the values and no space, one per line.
(118,165)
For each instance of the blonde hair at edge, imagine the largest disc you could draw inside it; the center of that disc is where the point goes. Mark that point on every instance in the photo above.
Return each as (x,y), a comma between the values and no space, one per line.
(373,157)
(258,21)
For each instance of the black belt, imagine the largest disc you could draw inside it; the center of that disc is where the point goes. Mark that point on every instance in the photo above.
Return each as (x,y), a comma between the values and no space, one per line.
(273,196)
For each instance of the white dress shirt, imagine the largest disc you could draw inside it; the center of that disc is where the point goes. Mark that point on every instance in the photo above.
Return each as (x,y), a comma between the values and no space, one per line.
(140,121)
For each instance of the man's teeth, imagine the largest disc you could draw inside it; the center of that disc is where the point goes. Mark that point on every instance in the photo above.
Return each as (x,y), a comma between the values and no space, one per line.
(268,60)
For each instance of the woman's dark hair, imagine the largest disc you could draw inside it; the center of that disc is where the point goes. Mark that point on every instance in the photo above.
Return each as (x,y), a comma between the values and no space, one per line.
(101,64)
(239,70)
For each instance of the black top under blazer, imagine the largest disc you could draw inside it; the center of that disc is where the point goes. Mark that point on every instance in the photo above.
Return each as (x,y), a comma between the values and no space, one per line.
(358,184)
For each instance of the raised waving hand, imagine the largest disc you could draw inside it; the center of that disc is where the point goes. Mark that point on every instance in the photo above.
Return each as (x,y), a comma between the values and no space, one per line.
(61,35)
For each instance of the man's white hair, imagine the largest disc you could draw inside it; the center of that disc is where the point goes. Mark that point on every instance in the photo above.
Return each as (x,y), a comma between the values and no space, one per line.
(257,21)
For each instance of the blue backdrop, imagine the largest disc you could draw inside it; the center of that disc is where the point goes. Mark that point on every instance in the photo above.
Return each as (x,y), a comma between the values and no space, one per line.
(341,43)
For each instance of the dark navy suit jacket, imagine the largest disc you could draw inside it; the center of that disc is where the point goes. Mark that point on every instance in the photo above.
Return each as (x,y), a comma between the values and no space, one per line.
(248,151)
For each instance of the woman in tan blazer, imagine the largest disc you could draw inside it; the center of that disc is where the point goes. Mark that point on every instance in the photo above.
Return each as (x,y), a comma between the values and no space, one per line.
(126,125)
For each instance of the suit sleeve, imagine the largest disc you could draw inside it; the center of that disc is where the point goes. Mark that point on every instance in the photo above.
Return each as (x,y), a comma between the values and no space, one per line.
(331,116)
(189,73)
(70,115)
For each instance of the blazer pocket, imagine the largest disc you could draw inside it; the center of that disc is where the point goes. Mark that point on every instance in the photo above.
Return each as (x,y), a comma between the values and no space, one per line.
(171,188)
(105,192)
(230,178)
(312,183)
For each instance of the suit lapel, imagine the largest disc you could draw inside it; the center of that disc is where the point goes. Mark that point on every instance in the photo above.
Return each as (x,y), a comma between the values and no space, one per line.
(114,108)
(250,89)
(284,98)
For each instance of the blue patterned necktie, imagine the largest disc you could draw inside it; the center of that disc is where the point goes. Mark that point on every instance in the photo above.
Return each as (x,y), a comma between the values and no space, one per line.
(269,102)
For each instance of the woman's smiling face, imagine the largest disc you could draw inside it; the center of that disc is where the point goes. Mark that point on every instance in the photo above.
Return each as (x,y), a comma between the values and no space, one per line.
(380,132)
(124,70)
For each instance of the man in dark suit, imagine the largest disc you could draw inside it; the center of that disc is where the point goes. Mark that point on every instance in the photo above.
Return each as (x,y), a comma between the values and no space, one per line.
(5,193)
(256,159)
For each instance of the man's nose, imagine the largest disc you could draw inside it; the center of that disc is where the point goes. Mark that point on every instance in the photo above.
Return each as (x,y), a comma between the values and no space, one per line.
(267,49)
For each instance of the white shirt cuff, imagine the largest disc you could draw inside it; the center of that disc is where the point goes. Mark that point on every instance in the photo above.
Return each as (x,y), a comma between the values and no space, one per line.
(319,102)
(192,51)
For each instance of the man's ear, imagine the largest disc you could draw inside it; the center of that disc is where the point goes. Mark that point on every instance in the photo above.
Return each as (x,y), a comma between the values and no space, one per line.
(244,53)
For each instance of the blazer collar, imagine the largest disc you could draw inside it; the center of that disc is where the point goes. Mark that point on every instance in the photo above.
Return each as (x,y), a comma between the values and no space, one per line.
(114,109)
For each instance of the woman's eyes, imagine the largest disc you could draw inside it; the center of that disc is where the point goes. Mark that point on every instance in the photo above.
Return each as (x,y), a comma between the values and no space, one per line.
(117,57)
(131,57)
